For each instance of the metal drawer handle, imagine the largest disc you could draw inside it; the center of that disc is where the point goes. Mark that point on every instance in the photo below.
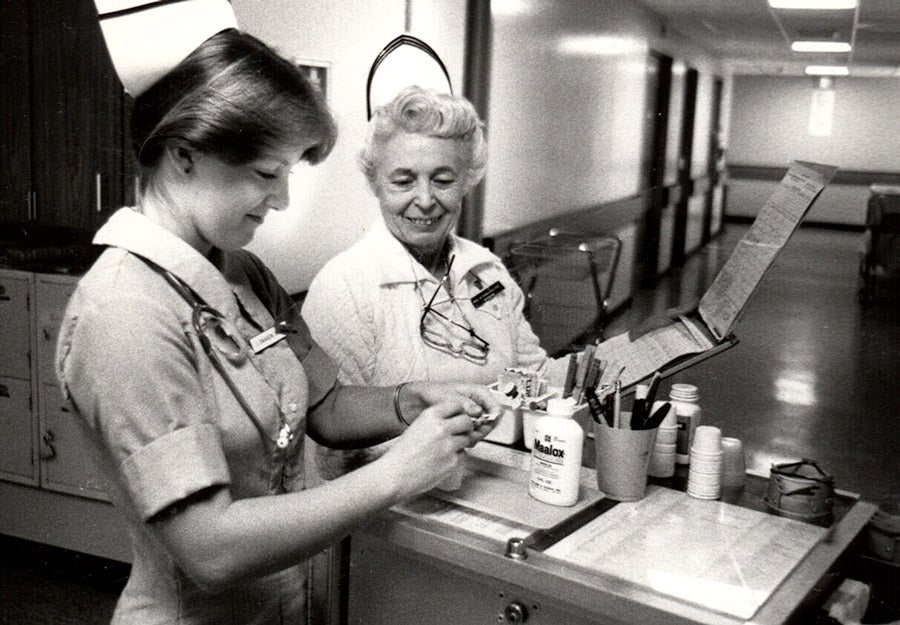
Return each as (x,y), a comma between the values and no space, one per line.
(48,451)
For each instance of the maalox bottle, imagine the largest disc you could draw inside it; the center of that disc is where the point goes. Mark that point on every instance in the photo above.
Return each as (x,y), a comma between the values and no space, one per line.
(556,454)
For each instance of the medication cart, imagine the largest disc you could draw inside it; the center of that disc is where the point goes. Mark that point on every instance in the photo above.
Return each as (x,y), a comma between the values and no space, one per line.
(667,558)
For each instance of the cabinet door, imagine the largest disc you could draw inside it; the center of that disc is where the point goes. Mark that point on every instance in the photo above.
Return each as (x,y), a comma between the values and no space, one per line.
(52,294)
(15,350)
(17,432)
(76,110)
(67,464)
(15,157)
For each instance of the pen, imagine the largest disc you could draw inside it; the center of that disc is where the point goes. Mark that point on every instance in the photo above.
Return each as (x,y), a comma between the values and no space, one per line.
(617,404)
(654,386)
(584,361)
(593,373)
(640,407)
(605,406)
(657,417)
(570,375)
(594,404)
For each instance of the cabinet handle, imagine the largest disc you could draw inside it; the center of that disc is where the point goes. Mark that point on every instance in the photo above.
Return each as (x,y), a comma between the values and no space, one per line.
(28,202)
(32,206)
(99,198)
(4,390)
(48,451)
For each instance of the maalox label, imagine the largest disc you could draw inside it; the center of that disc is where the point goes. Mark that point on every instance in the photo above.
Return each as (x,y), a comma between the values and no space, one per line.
(556,457)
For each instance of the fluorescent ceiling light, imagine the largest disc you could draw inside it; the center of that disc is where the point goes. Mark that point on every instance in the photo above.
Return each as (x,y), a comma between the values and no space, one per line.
(827,70)
(821,5)
(820,46)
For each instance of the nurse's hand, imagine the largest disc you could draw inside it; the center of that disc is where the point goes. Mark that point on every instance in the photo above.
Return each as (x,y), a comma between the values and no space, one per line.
(429,450)
(475,400)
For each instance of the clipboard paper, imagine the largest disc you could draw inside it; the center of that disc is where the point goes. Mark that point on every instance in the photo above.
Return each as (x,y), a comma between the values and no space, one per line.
(710,330)
(708,553)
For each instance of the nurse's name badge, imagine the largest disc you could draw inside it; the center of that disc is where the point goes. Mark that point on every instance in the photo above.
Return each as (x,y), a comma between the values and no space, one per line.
(265,339)
(486,295)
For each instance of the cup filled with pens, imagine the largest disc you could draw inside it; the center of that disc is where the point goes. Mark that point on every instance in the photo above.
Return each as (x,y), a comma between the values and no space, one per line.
(623,441)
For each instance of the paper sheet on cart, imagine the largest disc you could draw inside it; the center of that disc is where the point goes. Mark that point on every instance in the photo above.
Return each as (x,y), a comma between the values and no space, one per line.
(727,296)
(447,513)
(719,556)
(640,358)
(489,521)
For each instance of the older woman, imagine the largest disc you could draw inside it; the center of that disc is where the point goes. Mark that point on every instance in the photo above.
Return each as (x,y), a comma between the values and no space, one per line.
(411,300)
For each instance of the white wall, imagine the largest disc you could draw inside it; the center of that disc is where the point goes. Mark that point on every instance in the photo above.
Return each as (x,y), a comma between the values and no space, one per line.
(331,206)
(769,120)
(567,99)
(770,116)
(564,127)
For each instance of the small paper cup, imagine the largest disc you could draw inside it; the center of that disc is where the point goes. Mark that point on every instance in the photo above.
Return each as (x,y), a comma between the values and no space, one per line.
(707,439)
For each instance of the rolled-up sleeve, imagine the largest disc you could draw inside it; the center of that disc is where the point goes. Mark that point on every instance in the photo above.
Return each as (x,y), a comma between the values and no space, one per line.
(196,451)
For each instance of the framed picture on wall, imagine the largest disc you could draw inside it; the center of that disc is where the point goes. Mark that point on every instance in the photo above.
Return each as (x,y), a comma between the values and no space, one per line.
(317,73)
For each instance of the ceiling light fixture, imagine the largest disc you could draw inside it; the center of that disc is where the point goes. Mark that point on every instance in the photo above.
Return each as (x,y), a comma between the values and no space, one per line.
(817,5)
(820,46)
(827,70)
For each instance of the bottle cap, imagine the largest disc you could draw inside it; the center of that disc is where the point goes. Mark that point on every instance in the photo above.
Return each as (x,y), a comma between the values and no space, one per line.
(146,40)
(684,392)
(561,406)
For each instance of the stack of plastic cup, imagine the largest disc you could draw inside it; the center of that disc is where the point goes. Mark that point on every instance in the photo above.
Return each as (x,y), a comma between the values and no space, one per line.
(705,474)
(662,458)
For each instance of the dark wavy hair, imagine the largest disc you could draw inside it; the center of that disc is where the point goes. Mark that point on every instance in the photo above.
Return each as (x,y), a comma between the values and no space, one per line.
(235,98)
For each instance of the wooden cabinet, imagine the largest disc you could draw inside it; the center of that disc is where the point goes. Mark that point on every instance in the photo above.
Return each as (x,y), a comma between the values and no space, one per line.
(41,443)
(65,165)
(15,123)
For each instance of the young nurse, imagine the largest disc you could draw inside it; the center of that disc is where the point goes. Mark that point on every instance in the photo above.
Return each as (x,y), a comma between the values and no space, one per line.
(185,361)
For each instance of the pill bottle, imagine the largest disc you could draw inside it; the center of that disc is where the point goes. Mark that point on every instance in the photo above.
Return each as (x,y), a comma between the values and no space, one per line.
(684,399)
(556,454)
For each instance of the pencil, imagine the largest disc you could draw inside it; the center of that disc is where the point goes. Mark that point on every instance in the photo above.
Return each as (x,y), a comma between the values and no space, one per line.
(617,404)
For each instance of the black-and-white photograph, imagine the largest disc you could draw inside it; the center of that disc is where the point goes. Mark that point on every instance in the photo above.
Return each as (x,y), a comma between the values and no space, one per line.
(452,312)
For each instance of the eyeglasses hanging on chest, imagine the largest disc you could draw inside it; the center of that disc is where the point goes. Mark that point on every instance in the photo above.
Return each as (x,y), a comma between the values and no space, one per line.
(441,331)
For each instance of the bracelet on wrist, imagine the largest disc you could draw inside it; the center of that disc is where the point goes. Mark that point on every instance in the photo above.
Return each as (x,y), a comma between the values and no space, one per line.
(397,409)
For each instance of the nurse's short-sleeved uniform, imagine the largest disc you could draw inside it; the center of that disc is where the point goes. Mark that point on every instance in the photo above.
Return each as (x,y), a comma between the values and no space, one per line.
(164,422)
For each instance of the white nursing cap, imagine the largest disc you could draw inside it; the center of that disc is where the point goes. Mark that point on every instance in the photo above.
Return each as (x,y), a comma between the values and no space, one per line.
(147,39)
(404,62)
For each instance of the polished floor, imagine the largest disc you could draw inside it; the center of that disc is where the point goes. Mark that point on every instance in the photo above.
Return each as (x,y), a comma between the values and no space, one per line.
(814,375)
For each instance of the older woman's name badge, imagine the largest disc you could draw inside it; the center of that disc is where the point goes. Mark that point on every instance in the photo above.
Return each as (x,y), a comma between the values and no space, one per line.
(265,339)
(486,295)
